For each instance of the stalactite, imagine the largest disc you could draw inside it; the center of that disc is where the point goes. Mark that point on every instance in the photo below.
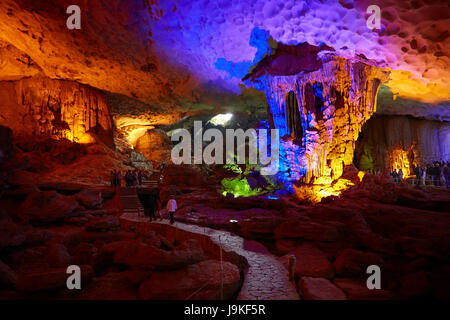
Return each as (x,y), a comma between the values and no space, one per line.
(333,102)
(56,108)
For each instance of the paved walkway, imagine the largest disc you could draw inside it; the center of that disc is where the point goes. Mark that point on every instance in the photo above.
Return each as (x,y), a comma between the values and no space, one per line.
(266,278)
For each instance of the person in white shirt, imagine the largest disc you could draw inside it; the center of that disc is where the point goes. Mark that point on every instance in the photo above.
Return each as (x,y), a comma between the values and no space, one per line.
(171,207)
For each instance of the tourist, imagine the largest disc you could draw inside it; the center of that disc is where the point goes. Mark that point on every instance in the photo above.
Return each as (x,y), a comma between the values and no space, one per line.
(424,176)
(418,173)
(400,175)
(447,174)
(395,175)
(128,178)
(119,179)
(134,178)
(430,173)
(140,176)
(437,173)
(442,175)
(171,207)
(113,178)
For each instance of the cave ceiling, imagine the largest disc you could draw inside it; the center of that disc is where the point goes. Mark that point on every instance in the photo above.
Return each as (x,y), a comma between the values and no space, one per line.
(173,53)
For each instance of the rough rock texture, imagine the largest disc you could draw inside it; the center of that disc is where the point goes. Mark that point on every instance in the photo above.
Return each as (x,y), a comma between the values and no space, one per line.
(47,206)
(357,290)
(51,279)
(154,145)
(11,234)
(8,277)
(319,108)
(394,142)
(352,262)
(320,289)
(310,262)
(198,281)
(6,144)
(55,108)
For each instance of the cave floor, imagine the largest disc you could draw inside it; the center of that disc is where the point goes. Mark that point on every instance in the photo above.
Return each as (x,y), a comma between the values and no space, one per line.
(265,279)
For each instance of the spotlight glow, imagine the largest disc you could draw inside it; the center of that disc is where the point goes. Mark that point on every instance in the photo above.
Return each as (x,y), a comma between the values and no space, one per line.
(221,119)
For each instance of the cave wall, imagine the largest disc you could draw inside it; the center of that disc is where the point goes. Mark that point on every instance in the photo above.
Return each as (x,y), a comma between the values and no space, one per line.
(334,102)
(39,106)
(394,142)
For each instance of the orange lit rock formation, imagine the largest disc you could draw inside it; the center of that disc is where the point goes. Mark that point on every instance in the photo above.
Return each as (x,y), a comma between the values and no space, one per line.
(54,108)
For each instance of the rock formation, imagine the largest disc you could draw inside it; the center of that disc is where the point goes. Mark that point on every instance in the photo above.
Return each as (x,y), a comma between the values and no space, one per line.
(394,142)
(40,106)
(319,102)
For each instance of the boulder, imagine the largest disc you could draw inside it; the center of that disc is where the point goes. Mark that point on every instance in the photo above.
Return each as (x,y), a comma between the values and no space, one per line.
(47,206)
(303,229)
(320,289)
(142,256)
(351,262)
(310,262)
(108,223)
(112,286)
(357,290)
(8,277)
(136,277)
(37,236)
(82,253)
(26,256)
(181,175)
(415,285)
(190,251)
(284,246)
(90,199)
(261,227)
(11,234)
(58,256)
(200,281)
(50,279)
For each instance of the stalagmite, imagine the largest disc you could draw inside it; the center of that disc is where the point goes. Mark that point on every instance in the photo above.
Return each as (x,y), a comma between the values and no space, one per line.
(335,96)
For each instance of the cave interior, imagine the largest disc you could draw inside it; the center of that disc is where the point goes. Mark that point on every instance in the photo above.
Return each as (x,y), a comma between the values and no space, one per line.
(354,118)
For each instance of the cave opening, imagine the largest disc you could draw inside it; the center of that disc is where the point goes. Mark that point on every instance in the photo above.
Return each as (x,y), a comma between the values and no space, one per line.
(293,118)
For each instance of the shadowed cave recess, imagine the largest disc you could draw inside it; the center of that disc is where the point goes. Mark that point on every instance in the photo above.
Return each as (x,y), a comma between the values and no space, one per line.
(87,125)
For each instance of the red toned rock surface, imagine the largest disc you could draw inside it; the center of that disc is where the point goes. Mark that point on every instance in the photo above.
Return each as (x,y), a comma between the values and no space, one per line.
(310,262)
(357,290)
(8,277)
(181,176)
(352,262)
(142,256)
(47,206)
(57,256)
(112,286)
(320,289)
(51,279)
(415,285)
(307,230)
(11,234)
(108,223)
(198,281)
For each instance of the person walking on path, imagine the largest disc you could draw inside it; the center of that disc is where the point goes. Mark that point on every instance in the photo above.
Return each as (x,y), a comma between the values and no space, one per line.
(171,207)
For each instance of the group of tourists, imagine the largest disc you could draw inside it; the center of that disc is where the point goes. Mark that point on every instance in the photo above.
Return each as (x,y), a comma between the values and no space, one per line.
(437,174)
(397,175)
(132,178)
(152,205)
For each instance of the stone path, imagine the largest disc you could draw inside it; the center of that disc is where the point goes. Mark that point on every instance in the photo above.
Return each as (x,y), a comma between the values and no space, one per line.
(266,278)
